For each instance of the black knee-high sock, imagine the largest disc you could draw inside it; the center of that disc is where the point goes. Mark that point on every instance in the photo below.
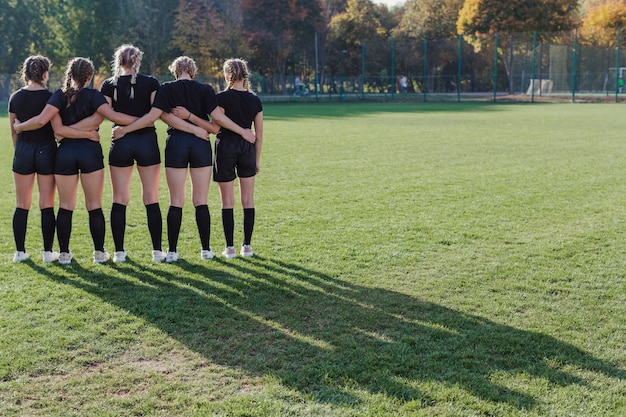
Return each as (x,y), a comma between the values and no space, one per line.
(118,225)
(155,224)
(228,222)
(20,221)
(174,220)
(97,228)
(64,229)
(48,226)
(248,225)
(203,221)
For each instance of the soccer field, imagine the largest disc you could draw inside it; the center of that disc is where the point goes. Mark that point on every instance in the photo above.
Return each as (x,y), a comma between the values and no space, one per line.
(413,259)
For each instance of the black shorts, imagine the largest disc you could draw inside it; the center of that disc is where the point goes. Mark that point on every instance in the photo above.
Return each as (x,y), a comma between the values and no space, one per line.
(34,157)
(140,147)
(233,154)
(184,149)
(78,155)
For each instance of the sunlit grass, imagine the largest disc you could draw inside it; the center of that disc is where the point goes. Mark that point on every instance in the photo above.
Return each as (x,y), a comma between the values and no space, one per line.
(413,259)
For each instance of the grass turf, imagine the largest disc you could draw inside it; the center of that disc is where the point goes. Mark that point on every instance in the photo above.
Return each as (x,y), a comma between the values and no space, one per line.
(412,259)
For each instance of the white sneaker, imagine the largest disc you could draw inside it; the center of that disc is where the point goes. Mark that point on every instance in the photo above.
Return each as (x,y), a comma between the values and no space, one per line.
(20,256)
(119,256)
(207,254)
(229,252)
(50,256)
(158,255)
(171,257)
(246,250)
(65,258)
(100,256)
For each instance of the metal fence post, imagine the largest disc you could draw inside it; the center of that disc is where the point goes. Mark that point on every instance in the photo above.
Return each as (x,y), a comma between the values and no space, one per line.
(574,62)
(424,85)
(458,70)
(532,79)
(362,68)
(619,41)
(495,69)
(393,67)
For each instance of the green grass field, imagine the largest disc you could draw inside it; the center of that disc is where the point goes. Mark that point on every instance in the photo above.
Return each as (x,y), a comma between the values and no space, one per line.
(412,260)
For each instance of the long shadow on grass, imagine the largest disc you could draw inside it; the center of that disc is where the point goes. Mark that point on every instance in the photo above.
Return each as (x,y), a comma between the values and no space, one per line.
(328,338)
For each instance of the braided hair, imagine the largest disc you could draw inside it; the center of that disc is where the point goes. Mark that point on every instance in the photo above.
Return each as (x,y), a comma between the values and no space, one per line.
(183,64)
(237,69)
(126,56)
(78,72)
(33,69)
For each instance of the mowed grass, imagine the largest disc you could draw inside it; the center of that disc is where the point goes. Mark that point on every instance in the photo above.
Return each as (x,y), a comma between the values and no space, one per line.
(412,260)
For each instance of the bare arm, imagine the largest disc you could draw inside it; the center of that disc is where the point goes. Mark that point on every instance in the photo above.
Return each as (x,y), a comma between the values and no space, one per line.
(90,123)
(258,132)
(116,117)
(36,122)
(185,114)
(184,126)
(61,131)
(12,120)
(221,119)
(146,120)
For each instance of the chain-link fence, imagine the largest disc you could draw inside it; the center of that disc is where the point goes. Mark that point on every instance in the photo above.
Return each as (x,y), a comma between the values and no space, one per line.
(503,67)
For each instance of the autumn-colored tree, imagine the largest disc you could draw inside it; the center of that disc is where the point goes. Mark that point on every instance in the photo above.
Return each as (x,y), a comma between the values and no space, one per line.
(480,19)
(602,20)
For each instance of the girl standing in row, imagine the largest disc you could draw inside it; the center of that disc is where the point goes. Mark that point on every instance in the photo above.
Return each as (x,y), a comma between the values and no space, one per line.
(35,153)
(132,93)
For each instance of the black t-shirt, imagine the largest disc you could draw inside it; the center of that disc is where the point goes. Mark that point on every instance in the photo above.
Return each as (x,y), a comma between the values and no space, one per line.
(86,103)
(26,104)
(198,98)
(143,88)
(241,107)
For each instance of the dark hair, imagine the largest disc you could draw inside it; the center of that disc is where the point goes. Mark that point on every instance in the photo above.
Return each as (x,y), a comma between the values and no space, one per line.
(33,69)
(76,75)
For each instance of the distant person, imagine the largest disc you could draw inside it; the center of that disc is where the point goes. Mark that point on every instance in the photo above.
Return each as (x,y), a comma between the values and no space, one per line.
(297,83)
(132,93)
(79,156)
(188,149)
(236,156)
(403,84)
(35,153)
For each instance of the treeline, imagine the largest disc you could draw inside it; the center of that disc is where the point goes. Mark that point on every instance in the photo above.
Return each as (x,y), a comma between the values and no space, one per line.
(279,38)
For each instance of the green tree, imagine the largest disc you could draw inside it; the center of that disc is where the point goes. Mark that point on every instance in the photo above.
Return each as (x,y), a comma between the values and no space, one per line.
(274,29)
(360,21)
(149,25)
(431,19)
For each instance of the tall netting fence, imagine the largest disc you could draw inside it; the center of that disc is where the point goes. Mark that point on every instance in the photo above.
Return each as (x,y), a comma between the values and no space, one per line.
(535,66)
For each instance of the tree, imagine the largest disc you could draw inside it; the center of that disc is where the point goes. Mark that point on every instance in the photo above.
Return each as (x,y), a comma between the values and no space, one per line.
(148,24)
(602,20)
(275,29)
(200,33)
(360,21)
(480,19)
(430,19)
